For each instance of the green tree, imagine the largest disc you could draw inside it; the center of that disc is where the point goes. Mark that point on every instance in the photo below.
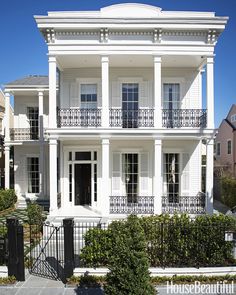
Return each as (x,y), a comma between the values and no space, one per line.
(128,262)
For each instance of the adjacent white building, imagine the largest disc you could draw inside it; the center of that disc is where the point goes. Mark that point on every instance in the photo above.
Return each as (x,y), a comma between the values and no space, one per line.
(118,126)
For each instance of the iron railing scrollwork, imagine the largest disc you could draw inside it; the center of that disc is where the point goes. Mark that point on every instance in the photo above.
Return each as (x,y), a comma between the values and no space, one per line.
(24,134)
(177,118)
(75,117)
(184,204)
(131,205)
(131,118)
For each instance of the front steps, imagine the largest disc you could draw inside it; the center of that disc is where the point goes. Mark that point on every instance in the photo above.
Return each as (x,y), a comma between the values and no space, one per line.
(21,204)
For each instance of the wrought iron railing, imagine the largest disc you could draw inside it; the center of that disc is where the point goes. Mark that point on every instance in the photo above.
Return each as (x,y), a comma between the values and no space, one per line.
(177,118)
(131,205)
(184,204)
(24,134)
(75,117)
(131,118)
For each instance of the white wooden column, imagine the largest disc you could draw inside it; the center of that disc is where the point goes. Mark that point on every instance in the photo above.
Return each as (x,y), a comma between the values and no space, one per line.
(7,166)
(7,139)
(157,92)
(7,116)
(157,179)
(105,91)
(210,92)
(105,191)
(209,175)
(52,92)
(41,141)
(53,174)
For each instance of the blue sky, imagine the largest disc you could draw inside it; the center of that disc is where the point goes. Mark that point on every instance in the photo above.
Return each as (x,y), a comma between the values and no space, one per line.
(23,50)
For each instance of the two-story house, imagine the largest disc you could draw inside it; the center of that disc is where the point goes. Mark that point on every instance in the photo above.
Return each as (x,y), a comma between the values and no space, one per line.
(225,143)
(118,126)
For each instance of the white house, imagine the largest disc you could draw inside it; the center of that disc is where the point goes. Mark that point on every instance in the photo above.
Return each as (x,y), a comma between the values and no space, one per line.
(118,126)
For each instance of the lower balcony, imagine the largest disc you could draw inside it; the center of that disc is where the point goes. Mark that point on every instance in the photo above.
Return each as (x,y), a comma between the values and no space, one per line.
(131,205)
(131,118)
(177,118)
(76,117)
(24,134)
(184,204)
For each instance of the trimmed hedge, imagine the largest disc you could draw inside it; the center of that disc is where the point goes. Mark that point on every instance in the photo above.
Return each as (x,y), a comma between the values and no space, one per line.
(8,199)
(170,241)
(35,214)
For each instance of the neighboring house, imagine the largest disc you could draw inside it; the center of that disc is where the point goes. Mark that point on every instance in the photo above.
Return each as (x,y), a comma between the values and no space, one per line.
(123,133)
(225,144)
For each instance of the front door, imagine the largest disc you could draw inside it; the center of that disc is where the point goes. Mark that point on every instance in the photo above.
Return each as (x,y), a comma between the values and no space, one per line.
(82,180)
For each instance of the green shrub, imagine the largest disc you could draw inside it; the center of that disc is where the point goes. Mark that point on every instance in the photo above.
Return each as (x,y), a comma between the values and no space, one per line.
(128,262)
(228,191)
(35,214)
(170,241)
(7,199)
(97,248)
(7,281)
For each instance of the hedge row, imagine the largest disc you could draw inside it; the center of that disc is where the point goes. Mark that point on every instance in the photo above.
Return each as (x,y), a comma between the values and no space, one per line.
(170,241)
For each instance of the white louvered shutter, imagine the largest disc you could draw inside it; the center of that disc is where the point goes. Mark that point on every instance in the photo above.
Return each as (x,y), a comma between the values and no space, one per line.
(185,174)
(74,94)
(116,174)
(144,173)
(115,94)
(150,94)
(143,94)
(99,94)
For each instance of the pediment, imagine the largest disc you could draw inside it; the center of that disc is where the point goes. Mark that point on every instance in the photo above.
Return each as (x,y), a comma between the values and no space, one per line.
(130,10)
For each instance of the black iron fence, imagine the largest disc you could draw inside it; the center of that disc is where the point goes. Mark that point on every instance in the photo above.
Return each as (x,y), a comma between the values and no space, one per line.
(3,243)
(76,117)
(131,204)
(24,134)
(177,118)
(131,118)
(184,204)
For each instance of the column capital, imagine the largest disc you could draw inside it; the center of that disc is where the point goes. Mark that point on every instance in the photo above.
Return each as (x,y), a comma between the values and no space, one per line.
(210,60)
(52,59)
(7,94)
(53,141)
(105,58)
(157,59)
(105,141)
(157,141)
(40,92)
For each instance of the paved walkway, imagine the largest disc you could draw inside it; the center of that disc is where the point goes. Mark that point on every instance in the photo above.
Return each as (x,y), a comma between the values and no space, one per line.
(40,286)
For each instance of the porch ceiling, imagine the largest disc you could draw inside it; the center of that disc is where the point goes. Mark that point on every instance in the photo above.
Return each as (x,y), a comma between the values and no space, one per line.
(82,61)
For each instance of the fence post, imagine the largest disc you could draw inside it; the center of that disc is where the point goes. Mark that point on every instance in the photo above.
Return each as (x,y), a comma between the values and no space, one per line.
(12,224)
(20,249)
(68,224)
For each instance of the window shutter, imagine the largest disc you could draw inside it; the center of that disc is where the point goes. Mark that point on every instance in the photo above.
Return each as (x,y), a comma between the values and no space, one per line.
(185,174)
(115,94)
(116,175)
(143,94)
(150,94)
(144,173)
(74,94)
(99,94)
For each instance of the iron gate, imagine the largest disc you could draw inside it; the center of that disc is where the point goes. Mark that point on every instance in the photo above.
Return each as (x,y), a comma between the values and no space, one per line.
(46,255)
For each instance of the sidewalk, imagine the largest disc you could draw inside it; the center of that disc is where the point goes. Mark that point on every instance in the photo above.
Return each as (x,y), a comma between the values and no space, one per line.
(41,286)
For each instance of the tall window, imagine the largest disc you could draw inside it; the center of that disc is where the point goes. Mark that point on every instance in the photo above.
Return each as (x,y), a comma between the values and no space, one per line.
(130,93)
(171,98)
(88,96)
(33,116)
(218,148)
(33,174)
(171,177)
(203,183)
(130,176)
(229,147)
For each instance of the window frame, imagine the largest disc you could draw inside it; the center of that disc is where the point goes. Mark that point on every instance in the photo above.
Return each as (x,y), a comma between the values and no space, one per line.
(36,189)
(218,148)
(229,141)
